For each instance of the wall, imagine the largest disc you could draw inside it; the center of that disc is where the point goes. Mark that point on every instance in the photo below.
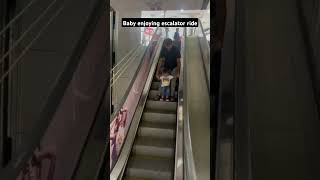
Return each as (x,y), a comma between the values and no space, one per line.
(126,40)
(41,66)
(310,17)
(2,23)
(74,117)
(274,91)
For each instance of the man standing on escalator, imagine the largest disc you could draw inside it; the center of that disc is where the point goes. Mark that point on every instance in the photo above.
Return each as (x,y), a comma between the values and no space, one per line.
(170,59)
(177,39)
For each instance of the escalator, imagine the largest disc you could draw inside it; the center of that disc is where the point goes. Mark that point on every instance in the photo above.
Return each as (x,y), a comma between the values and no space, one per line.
(161,143)
(152,155)
(149,148)
(155,150)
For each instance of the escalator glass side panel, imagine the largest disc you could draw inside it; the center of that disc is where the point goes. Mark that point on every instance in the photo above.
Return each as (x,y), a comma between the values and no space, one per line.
(121,122)
(119,168)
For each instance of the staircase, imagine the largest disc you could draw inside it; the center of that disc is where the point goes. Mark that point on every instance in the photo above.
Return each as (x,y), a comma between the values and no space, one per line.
(152,155)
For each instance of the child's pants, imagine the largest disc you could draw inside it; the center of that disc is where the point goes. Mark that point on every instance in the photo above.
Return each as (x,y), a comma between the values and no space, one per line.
(165,91)
(172,83)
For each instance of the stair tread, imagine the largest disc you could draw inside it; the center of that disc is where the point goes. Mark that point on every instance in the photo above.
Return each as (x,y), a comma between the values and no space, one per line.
(156,142)
(162,102)
(159,111)
(159,117)
(161,105)
(145,124)
(155,85)
(150,163)
(154,91)
(153,94)
(134,178)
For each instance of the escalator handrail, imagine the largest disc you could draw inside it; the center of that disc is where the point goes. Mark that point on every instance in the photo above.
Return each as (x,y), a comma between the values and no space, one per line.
(189,163)
(205,66)
(203,33)
(117,110)
(179,163)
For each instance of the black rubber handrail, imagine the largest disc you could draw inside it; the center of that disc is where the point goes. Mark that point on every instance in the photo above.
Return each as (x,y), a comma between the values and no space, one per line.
(205,66)
(56,94)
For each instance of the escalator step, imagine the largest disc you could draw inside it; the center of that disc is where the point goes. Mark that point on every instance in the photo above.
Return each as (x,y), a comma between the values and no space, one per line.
(161,105)
(159,130)
(150,146)
(150,168)
(134,178)
(153,94)
(159,117)
(155,85)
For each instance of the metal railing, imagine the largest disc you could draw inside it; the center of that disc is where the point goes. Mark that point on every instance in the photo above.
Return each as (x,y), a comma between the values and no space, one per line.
(17,16)
(15,44)
(123,65)
(179,151)
(125,58)
(130,84)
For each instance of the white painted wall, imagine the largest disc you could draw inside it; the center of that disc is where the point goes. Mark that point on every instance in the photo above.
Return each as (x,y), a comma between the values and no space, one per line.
(126,38)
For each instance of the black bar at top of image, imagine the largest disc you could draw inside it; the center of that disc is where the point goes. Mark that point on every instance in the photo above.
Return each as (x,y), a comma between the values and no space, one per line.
(160,22)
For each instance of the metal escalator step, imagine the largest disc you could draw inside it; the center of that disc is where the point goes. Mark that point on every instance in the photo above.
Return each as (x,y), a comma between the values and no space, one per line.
(160,130)
(155,85)
(150,146)
(161,105)
(159,117)
(150,168)
(153,94)
(134,178)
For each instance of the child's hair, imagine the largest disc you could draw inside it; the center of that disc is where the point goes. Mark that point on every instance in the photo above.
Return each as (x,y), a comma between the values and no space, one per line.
(165,70)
